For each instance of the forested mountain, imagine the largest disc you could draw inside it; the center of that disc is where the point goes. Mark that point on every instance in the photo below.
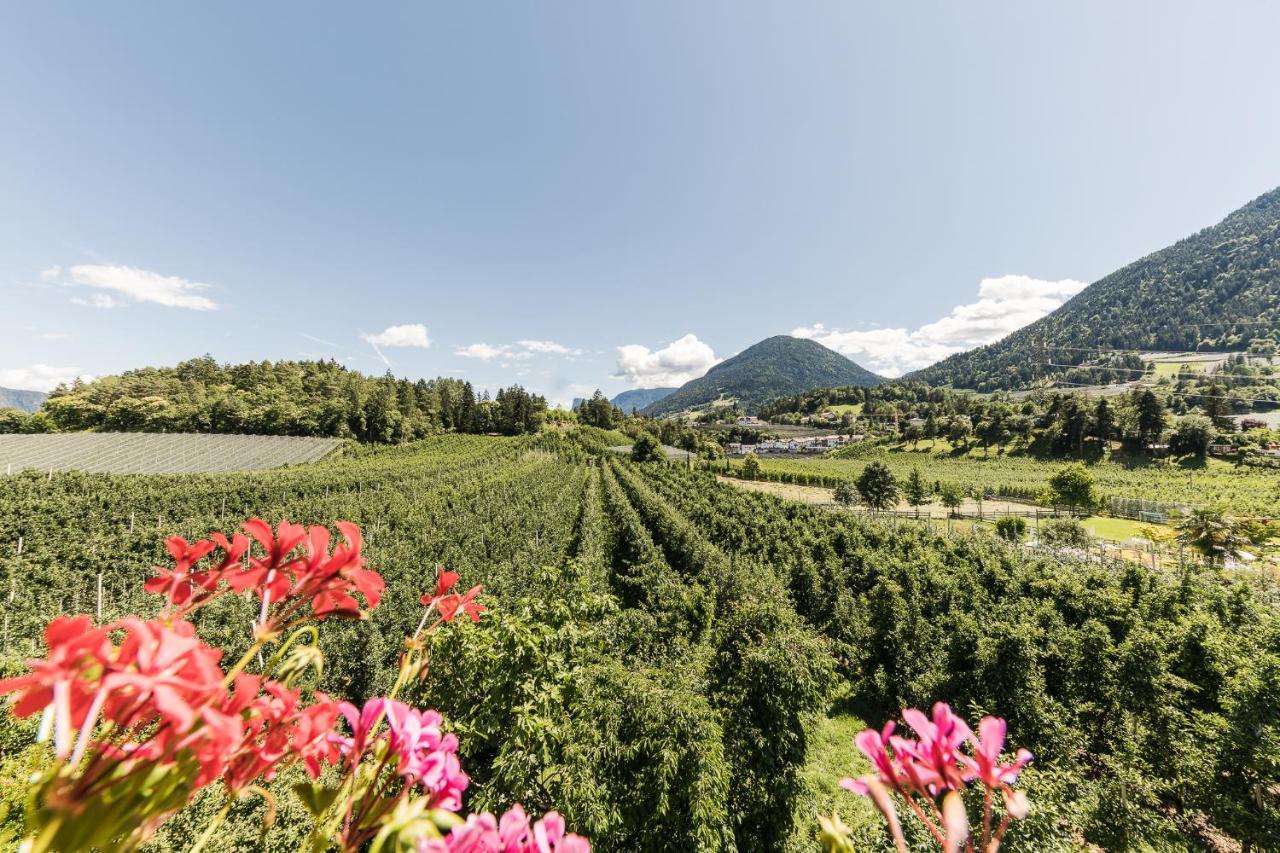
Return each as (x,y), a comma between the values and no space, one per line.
(1216,290)
(776,367)
(320,398)
(23,401)
(638,398)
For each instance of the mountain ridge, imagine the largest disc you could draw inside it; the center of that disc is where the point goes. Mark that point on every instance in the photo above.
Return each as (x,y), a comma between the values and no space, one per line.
(23,401)
(1217,290)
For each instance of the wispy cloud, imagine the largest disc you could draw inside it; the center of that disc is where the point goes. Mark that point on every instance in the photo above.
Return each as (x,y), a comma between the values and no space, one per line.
(675,364)
(98,300)
(123,284)
(548,347)
(1005,304)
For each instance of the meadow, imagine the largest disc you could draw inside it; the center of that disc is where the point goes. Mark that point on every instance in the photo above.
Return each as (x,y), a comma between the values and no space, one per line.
(675,663)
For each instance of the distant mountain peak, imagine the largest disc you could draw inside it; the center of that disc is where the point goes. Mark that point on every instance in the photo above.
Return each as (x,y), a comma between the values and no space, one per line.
(638,398)
(779,366)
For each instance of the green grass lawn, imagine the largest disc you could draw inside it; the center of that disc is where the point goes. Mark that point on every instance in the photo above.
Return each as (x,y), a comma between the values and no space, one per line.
(1172,368)
(846,408)
(831,756)
(1119,529)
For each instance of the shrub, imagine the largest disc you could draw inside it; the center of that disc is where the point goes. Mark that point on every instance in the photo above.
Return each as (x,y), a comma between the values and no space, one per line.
(1073,485)
(1065,533)
(1011,527)
(646,449)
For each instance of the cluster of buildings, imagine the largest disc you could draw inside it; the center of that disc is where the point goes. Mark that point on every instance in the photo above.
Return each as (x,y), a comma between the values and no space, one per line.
(1270,448)
(807,444)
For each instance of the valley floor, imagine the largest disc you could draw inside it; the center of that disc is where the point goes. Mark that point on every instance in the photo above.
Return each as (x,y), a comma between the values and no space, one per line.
(1239,488)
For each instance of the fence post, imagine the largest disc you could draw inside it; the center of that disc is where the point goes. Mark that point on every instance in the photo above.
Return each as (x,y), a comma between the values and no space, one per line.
(13,573)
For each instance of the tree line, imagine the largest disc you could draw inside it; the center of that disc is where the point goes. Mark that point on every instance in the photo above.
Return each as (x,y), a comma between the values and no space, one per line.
(305,398)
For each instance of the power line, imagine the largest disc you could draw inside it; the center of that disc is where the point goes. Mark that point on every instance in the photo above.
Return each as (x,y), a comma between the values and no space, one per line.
(1161,352)
(1226,323)
(1136,387)
(1211,377)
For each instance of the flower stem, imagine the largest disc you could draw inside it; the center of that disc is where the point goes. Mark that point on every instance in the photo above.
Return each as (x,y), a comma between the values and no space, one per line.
(242,663)
(213,825)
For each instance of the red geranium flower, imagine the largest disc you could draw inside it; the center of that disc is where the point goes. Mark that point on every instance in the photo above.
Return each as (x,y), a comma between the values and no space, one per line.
(444,583)
(449,605)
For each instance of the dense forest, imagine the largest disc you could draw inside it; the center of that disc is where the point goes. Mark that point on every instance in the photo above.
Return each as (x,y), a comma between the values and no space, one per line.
(1218,290)
(659,646)
(308,398)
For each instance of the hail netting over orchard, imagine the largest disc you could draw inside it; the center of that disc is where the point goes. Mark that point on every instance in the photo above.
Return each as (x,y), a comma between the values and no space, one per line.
(151,453)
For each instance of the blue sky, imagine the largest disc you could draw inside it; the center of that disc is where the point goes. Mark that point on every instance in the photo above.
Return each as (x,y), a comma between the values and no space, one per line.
(573,195)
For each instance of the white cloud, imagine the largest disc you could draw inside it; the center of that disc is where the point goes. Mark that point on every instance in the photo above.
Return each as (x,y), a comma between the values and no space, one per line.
(1004,305)
(138,285)
(407,335)
(39,377)
(520,350)
(484,352)
(675,364)
(565,394)
(54,336)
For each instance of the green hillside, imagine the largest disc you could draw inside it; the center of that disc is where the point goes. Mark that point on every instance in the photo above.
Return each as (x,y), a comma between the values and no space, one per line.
(776,367)
(1218,290)
(23,401)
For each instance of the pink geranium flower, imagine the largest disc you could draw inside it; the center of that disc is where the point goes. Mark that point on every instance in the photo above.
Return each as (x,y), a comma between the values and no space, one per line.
(985,763)
(427,756)
(934,759)
(362,722)
(512,833)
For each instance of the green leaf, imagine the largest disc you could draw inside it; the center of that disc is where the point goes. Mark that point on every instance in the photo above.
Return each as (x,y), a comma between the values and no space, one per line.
(316,798)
